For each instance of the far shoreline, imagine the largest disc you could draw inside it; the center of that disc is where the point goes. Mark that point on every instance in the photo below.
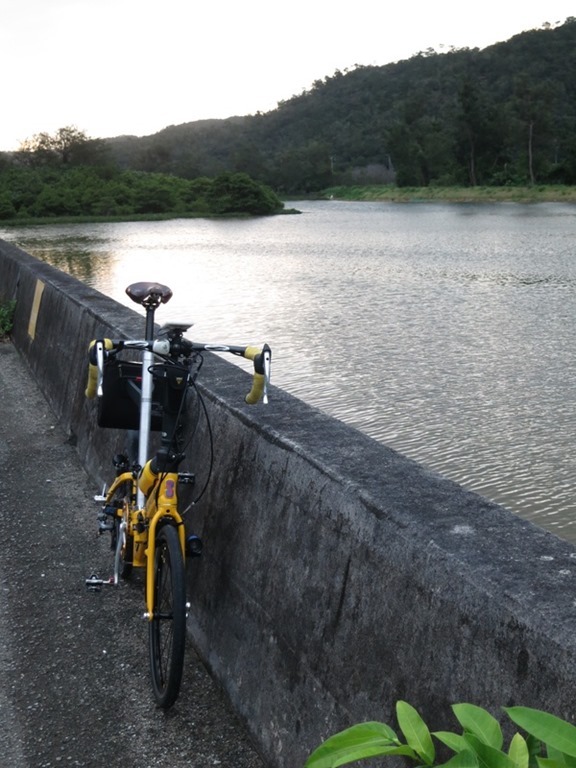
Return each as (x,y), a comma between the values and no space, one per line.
(393,194)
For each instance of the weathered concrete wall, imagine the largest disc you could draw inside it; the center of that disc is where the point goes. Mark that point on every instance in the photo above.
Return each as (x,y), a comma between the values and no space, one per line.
(338,576)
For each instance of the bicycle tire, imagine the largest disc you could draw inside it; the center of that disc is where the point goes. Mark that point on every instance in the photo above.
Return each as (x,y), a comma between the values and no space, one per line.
(167,628)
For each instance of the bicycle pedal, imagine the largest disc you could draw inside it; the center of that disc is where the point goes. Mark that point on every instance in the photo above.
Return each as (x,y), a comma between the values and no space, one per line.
(101,496)
(94,584)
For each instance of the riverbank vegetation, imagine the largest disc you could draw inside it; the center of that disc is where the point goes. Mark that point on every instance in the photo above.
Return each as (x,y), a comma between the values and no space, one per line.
(556,193)
(48,192)
(69,175)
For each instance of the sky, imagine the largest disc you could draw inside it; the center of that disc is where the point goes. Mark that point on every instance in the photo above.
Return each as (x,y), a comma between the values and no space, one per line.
(115,67)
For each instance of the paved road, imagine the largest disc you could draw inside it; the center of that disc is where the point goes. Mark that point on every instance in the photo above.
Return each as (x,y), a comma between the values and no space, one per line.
(74,686)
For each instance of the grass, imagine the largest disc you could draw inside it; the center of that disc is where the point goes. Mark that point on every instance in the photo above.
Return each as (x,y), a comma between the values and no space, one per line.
(89,219)
(389,193)
(6,318)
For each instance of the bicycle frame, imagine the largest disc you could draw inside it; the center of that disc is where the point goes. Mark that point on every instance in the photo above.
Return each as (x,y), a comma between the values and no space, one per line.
(162,502)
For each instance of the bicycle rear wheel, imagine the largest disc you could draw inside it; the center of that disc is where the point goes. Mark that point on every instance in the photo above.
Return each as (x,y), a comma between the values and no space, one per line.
(167,628)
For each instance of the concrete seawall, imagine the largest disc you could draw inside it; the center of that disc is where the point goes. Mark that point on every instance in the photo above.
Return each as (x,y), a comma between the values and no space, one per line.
(338,575)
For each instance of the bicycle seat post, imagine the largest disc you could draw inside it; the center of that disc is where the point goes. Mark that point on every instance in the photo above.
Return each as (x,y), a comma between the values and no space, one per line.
(150,296)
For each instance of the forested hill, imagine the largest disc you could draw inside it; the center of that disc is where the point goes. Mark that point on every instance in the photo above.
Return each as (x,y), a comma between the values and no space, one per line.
(502,115)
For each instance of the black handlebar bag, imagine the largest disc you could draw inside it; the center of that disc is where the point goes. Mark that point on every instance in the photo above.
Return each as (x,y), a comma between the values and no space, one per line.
(119,406)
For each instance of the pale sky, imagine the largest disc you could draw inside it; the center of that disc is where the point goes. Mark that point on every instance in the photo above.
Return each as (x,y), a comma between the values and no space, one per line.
(112,67)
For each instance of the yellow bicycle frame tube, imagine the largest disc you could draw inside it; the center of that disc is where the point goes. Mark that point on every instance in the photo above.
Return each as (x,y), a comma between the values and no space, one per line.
(125,477)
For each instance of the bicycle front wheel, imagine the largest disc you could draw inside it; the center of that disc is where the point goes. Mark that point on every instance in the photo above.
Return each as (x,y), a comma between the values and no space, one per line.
(168,624)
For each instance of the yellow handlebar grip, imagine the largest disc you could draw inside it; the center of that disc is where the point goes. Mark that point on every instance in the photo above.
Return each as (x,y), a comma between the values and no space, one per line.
(261,358)
(251,352)
(257,389)
(92,381)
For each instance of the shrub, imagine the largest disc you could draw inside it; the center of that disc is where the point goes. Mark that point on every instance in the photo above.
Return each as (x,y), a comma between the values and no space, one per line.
(550,741)
(238,193)
(6,317)
(7,209)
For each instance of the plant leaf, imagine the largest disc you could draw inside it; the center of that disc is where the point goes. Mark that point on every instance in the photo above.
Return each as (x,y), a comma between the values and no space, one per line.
(518,751)
(481,723)
(488,757)
(454,741)
(550,762)
(548,728)
(361,740)
(359,754)
(415,731)
(560,757)
(464,759)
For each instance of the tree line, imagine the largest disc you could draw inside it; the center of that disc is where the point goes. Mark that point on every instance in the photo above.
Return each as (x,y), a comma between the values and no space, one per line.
(69,174)
(503,115)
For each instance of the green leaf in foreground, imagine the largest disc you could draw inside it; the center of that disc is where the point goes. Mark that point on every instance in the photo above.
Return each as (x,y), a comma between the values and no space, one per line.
(488,757)
(415,731)
(479,722)
(548,728)
(454,741)
(370,739)
(519,752)
(550,762)
(464,759)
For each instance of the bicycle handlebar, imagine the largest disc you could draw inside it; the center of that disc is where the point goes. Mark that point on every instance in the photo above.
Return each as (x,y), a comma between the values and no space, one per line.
(262,359)
(100,349)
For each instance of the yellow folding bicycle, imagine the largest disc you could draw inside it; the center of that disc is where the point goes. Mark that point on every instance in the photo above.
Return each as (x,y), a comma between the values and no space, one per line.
(140,509)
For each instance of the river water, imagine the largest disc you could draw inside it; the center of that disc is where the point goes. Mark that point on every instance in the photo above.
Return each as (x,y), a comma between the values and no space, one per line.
(445,331)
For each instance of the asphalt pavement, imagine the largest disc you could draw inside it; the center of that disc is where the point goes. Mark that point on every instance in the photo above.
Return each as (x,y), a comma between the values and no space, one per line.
(74,681)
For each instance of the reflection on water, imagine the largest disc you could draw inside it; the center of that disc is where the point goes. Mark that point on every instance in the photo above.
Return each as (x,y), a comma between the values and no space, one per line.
(445,331)
(74,252)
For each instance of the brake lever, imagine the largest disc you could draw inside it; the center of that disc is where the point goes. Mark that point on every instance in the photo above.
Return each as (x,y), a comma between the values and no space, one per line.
(100,366)
(267,360)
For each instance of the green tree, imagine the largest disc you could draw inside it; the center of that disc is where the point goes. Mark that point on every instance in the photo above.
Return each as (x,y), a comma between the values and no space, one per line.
(533,106)
(7,208)
(56,201)
(67,146)
(155,194)
(238,193)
